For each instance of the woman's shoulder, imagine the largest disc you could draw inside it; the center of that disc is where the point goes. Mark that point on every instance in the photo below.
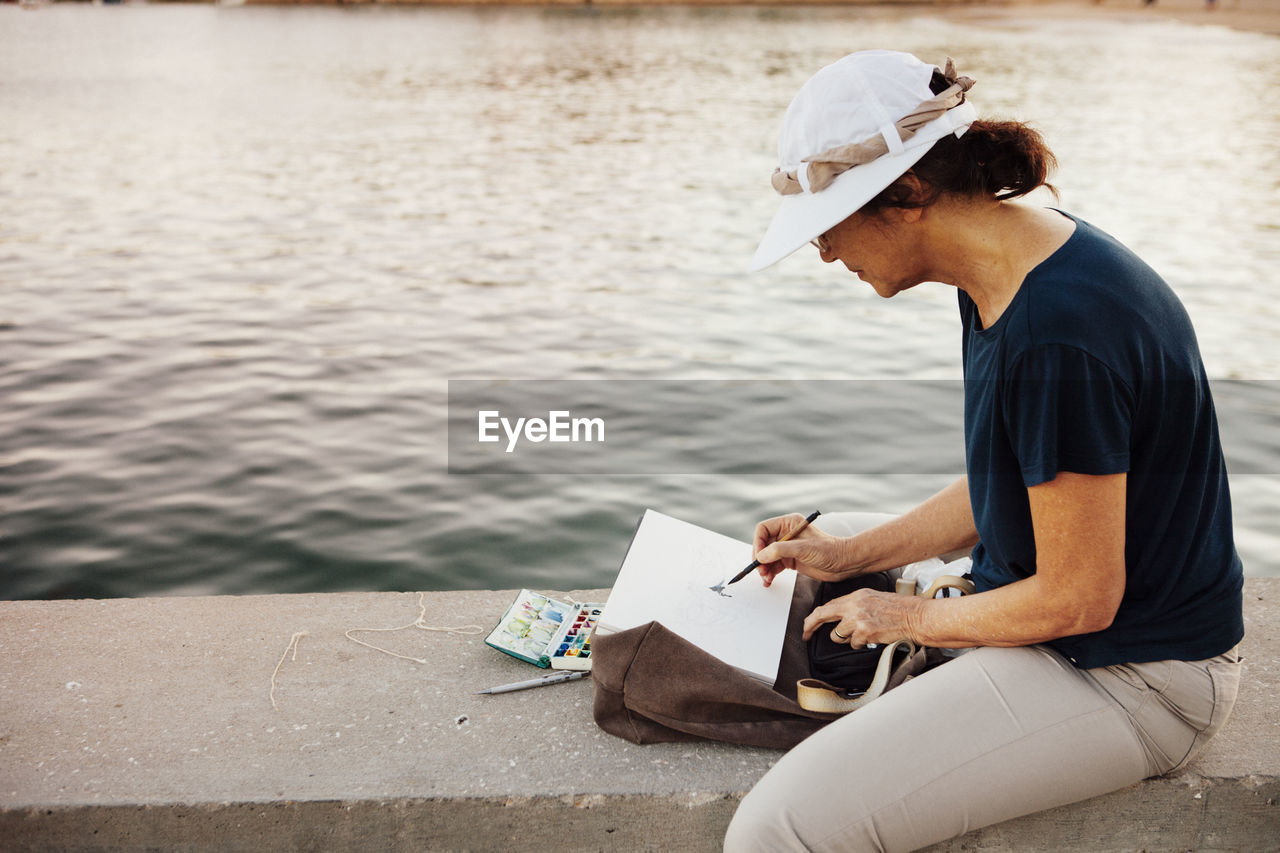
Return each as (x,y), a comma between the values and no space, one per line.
(1093,258)
(1089,253)
(1095,289)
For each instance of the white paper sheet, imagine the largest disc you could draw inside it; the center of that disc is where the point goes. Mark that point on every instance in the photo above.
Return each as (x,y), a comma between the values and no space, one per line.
(666,577)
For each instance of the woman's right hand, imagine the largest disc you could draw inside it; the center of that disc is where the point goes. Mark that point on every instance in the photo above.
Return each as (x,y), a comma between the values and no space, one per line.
(812,552)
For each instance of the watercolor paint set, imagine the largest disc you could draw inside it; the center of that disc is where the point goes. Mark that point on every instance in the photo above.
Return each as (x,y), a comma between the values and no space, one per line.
(571,646)
(547,632)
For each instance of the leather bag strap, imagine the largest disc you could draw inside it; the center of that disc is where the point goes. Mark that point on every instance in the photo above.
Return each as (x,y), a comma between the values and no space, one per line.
(965,586)
(815,695)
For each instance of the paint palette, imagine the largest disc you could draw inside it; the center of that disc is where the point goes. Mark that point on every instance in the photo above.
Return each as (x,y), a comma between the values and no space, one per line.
(546,632)
(571,646)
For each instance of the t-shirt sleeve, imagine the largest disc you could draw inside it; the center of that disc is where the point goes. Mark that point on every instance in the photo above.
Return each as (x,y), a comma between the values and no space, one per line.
(1066,411)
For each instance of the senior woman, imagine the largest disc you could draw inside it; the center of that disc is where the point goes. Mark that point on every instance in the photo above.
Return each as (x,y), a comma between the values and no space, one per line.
(1095,501)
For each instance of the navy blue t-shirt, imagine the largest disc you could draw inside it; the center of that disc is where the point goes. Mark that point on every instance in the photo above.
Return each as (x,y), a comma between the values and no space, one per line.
(1093,368)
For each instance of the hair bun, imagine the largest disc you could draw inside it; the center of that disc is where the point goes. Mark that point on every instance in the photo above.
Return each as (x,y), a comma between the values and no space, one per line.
(997,159)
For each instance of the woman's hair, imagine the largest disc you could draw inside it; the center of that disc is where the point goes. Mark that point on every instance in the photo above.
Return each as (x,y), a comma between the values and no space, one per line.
(997,159)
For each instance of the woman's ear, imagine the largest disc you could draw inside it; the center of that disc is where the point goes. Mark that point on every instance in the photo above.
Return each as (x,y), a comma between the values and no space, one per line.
(915,193)
(907,198)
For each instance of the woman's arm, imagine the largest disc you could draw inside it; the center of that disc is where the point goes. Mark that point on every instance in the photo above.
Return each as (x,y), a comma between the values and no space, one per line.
(1079,523)
(941,524)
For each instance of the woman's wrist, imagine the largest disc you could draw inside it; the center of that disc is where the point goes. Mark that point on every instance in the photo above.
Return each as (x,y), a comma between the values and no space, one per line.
(913,622)
(865,552)
(852,556)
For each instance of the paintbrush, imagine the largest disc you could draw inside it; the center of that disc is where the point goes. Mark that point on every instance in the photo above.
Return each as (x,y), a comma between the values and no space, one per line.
(755,564)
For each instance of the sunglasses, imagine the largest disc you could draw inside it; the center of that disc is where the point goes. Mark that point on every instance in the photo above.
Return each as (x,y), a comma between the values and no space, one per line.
(821,241)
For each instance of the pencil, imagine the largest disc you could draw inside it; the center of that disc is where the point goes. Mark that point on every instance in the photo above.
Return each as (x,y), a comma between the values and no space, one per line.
(756,563)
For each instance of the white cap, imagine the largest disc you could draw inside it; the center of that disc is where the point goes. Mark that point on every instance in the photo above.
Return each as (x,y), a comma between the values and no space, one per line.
(858,97)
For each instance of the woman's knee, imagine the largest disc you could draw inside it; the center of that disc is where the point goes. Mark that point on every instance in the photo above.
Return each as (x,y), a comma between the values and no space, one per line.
(755,827)
(813,797)
(770,828)
(744,833)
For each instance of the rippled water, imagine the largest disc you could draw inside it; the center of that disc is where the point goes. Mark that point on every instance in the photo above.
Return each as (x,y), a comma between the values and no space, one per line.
(242,251)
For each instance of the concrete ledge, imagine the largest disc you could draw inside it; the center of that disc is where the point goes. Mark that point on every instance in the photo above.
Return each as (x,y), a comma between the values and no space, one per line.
(148,723)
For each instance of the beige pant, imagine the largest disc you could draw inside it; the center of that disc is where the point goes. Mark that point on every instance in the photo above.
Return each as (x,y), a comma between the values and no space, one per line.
(989,736)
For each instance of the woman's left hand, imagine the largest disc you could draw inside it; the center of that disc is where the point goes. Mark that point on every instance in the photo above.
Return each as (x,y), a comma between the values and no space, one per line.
(865,616)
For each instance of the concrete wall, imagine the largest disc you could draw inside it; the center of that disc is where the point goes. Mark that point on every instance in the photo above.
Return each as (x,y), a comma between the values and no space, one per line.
(134,724)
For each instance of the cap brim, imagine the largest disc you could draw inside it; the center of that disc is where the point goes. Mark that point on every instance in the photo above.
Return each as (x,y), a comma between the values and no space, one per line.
(804,216)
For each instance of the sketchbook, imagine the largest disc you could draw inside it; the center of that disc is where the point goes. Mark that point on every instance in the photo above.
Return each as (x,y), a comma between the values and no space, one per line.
(667,576)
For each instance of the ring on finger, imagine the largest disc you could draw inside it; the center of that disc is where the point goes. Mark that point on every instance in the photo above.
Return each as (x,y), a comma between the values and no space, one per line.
(837,634)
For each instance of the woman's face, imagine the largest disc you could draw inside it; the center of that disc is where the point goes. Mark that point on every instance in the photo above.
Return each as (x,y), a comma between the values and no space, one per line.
(879,248)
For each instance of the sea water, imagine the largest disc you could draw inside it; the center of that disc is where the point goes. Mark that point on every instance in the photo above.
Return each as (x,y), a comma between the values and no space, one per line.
(243,251)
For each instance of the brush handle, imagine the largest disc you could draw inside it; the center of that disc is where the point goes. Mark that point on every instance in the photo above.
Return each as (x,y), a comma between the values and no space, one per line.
(755,564)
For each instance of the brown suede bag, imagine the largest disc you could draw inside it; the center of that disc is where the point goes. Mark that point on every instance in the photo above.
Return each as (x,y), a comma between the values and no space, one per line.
(652,686)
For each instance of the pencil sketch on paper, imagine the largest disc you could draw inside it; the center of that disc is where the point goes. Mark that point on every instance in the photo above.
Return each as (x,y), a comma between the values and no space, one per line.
(702,602)
(710,566)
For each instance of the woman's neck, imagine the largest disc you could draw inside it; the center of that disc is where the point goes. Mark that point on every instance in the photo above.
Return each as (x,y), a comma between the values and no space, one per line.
(986,248)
